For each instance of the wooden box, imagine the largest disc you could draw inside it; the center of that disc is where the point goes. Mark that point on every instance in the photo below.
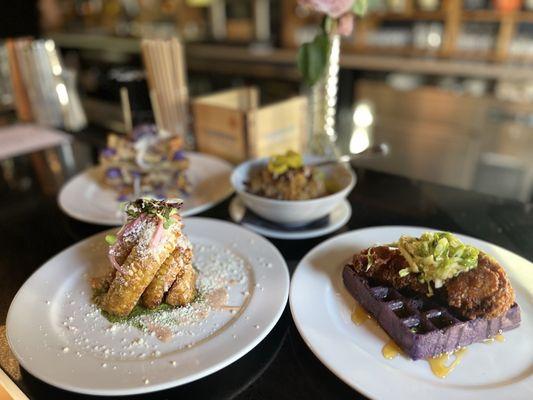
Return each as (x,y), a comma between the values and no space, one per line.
(232,125)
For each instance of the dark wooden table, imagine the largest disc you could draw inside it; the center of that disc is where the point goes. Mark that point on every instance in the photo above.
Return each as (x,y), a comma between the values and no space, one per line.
(33,229)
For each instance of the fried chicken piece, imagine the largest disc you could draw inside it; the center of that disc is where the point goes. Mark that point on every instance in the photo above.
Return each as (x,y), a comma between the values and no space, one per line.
(483,292)
(385,264)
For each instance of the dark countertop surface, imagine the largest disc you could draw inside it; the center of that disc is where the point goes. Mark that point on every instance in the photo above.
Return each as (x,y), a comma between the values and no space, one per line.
(33,229)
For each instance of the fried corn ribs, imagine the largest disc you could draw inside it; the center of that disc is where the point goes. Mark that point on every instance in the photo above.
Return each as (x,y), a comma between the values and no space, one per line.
(138,271)
(183,291)
(166,275)
(151,258)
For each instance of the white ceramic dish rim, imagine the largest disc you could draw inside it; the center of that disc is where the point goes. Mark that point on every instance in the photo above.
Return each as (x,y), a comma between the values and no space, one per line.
(300,235)
(190,378)
(319,353)
(113,221)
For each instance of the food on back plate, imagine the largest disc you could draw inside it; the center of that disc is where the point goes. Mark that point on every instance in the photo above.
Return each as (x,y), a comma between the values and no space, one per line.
(286,177)
(433,294)
(148,256)
(145,163)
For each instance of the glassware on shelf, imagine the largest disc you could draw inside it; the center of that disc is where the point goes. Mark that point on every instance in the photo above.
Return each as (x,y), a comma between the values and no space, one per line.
(507,5)
(427,36)
(397,6)
(428,5)
(475,4)
(392,37)
(477,37)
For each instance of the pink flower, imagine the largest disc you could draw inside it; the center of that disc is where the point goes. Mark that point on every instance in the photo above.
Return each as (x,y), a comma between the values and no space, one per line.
(334,8)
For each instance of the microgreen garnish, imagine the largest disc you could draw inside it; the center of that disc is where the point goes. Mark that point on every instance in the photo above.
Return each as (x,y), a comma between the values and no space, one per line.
(157,208)
(110,239)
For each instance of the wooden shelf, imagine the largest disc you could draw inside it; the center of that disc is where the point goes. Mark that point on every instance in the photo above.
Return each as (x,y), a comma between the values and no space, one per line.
(436,54)
(521,58)
(409,51)
(525,16)
(483,16)
(412,16)
(206,57)
(473,55)
(466,15)
(496,16)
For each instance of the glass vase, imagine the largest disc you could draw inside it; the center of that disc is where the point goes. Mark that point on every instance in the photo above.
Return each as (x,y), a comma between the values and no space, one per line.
(323,106)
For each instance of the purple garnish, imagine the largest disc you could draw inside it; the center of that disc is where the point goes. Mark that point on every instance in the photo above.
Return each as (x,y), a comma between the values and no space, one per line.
(113,173)
(122,197)
(109,152)
(179,155)
(144,130)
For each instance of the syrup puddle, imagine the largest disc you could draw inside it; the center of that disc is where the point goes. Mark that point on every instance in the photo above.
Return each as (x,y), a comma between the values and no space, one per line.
(499,338)
(391,350)
(359,315)
(441,367)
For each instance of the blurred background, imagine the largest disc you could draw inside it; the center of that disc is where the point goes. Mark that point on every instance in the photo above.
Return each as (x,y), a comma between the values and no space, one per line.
(448,84)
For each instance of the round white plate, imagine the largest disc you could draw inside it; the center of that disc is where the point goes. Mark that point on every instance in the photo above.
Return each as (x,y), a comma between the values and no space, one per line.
(321,308)
(59,336)
(338,218)
(85,199)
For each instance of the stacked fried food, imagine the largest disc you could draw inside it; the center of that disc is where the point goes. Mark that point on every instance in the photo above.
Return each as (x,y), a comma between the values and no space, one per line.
(145,163)
(151,260)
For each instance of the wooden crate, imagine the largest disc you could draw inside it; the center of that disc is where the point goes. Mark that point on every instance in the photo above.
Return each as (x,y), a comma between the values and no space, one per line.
(232,125)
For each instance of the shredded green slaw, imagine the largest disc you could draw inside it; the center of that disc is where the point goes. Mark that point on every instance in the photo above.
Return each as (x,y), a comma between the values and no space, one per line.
(436,257)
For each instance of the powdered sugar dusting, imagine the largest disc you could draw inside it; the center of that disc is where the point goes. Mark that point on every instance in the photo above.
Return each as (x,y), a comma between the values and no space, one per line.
(224,284)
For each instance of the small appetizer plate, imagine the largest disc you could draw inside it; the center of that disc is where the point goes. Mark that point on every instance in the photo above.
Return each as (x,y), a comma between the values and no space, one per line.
(86,199)
(322,310)
(53,321)
(335,220)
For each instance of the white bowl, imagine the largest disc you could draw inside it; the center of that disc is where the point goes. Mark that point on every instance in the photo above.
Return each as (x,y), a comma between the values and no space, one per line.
(293,212)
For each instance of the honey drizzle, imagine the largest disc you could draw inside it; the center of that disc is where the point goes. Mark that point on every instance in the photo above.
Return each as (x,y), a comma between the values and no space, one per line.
(390,350)
(359,315)
(499,338)
(439,365)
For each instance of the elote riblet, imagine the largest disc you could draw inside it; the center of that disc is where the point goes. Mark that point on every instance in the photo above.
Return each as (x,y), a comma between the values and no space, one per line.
(166,275)
(183,291)
(139,269)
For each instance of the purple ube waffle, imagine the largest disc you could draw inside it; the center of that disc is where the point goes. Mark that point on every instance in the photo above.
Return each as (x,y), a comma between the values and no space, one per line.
(419,326)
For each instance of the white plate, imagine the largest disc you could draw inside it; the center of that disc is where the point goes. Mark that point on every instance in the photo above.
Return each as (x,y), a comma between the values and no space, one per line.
(321,308)
(338,218)
(85,199)
(59,336)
